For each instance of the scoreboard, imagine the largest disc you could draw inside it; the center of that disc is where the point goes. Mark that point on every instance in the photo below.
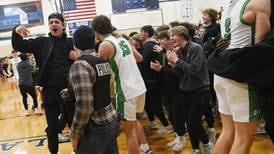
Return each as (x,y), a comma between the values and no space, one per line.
(28,14)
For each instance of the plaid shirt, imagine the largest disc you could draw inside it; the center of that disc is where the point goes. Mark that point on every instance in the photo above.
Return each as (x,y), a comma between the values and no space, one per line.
(83,77)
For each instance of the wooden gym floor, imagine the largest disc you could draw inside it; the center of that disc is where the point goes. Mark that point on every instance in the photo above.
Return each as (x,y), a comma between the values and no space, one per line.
(25,135)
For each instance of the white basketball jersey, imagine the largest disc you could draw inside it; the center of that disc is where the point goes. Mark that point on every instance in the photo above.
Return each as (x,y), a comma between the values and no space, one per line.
(14,63)
(234,28)
(128,80)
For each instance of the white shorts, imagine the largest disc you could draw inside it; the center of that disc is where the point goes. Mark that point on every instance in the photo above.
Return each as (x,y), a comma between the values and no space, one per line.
(133,106)
(13,80)
(237,99)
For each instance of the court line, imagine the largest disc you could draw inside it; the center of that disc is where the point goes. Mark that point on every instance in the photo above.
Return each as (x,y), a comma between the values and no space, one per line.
(24,138)
(18,116)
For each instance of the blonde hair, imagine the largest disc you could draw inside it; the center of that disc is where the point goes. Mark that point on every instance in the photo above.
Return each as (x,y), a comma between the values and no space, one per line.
(180,30)
(138,38)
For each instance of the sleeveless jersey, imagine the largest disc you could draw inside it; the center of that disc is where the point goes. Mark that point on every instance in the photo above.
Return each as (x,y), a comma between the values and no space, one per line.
(234,27)
(128,80)
(14,64)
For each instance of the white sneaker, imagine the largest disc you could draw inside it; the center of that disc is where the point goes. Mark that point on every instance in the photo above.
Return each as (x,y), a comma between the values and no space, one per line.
(26,113)
(151,125)
(63,138)
(36,111)
(196,151)
(208,148)
(172,143)
(212,135)
(179,146)
(165,130)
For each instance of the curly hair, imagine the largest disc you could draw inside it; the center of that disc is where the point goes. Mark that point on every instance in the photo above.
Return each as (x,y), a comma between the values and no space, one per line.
(212,13)
(102,25)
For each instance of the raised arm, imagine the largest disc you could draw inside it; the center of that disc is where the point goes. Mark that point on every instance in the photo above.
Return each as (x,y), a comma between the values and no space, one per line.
(24,45)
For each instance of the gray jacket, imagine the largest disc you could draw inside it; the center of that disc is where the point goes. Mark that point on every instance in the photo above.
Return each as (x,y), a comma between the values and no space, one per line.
(191,68)
(24,70)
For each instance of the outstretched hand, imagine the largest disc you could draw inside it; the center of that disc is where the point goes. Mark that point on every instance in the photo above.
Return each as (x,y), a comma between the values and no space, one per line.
(22,31)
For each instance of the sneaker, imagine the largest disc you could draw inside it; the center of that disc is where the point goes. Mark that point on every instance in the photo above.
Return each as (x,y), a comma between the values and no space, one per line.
(212,135)
(260,130)
(165,130)
(146,152)
(36,111)
(179,146)
(151,125)
(26,113)
(63,138)
(208,148)
(172,143)
(196,151)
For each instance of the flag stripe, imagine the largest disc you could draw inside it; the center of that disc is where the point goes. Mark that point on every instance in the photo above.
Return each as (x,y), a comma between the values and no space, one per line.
(85,9)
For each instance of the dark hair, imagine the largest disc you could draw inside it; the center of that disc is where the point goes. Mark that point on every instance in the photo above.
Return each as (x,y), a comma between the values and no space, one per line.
(174,23)
(102,25)
(132,34)
(212,13)
(163,34)
(148,29)
(23,56)
(125,36)
(162,28)
(190,27)
(13,51)
(56,16)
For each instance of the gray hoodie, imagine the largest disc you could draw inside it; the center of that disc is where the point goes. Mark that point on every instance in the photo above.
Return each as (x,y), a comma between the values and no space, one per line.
(191,68)
(24,70)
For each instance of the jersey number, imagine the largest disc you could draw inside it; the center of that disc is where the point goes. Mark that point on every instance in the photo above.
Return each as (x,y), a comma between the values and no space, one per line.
(227,35)
(125,48)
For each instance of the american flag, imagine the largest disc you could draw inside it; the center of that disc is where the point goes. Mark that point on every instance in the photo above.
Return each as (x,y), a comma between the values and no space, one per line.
(79,9)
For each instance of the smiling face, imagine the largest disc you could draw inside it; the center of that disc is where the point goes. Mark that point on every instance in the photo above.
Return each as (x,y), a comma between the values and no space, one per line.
(56,27)
(165,43)
(206,18)
(176,40)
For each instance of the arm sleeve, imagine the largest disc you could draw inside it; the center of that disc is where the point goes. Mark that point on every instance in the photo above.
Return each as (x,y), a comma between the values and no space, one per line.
(25,46)
(194,65)
(82,76)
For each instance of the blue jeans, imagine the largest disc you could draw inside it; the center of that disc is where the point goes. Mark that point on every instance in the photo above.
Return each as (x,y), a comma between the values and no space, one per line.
(99,139)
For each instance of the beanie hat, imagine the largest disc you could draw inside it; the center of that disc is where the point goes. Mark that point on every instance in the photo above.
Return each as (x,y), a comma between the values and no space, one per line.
(84,38)
(56,16)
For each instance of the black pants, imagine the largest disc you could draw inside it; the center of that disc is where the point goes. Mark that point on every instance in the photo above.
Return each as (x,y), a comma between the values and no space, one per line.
(179,114)
(153,104)
(268,106)
(208,113)
(28,89)
(67,112)
(169,102)
(193,109)
(52,110)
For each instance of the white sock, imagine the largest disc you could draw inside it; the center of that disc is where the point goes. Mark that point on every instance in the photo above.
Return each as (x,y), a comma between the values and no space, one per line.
(181,138)
(144,147)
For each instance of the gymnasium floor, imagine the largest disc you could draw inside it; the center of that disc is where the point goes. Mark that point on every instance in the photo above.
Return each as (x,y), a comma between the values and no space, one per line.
(25,135)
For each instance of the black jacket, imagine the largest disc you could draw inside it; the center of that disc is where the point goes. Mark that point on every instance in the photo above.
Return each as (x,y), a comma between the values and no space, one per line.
(42,48)
(149,75)
(253,65)
(210,38)
(191,68)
